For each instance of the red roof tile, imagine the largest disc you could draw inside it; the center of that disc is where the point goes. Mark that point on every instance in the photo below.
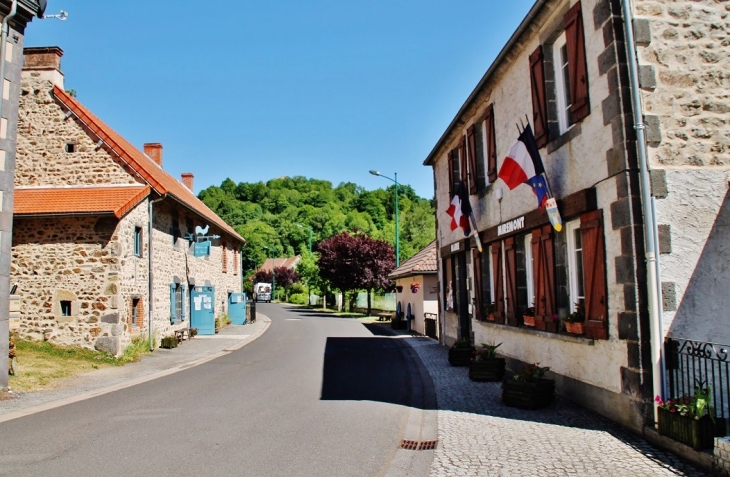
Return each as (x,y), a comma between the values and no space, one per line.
(77,200)
(152,174)
(287,262)
(422,263)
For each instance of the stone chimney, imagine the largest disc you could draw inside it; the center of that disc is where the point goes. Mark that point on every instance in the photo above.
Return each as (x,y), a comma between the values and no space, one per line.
(154,152)
(43,63)
(187,180)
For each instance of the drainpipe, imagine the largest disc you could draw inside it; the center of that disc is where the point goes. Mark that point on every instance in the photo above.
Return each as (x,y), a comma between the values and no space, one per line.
(150,274)
(650,226)
(3,44)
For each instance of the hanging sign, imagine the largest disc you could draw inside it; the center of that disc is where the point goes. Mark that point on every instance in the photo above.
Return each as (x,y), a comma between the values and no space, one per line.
(553,214)
(201,249)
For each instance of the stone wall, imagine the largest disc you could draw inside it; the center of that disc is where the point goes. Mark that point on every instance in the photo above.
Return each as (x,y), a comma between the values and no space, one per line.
(684,55)
(722,456)
(44,132)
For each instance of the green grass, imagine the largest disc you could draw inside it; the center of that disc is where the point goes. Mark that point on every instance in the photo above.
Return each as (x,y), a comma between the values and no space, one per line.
(43,365)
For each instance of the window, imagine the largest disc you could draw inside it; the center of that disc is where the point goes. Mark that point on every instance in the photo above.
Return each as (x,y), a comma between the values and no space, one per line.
(70,147)
(236,261)
(457,169)
(138,241)
(575,264)
(65,308)
(175,231)
(177,302)
(529,268)
(562,83)
(490,145)
(224,256)
(137,313)
(189,229)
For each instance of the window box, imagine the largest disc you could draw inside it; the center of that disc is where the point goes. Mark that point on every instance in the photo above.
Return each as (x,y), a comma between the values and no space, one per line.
(696,433)
(575,328)
(529,320)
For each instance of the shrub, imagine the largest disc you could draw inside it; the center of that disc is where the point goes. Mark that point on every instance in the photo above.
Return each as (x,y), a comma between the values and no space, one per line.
(298,299)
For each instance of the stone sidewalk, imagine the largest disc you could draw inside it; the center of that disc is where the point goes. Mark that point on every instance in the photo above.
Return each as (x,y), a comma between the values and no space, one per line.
(160,362)
(480,436)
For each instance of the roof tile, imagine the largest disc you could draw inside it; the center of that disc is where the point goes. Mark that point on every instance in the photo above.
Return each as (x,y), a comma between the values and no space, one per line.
(77,200)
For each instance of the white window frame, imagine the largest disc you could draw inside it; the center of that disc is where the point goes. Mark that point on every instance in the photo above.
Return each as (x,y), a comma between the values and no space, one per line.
(491,277)
(484,153)
(529,271)
(570,229)
(561,90)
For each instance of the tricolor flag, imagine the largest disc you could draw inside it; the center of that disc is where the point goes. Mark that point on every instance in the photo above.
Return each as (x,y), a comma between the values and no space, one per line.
(460,210)
(524,165)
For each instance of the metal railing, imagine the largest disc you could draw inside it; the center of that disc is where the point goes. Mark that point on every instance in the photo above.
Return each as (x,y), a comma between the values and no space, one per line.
(693,364)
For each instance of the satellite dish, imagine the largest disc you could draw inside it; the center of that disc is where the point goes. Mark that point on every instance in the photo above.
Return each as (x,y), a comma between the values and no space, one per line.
(42,7)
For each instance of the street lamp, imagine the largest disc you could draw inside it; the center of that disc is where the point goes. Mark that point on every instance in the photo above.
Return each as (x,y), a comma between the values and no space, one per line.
(395,181)
(273,272)
(309,290)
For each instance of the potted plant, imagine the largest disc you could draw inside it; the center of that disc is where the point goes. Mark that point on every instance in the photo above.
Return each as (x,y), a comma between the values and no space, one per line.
(489,312)
(574,321)
(529,389)
(528,317)
(689,419)
(168,342)
(399,288)
(461,352)
(485,365)
(193,332)
(415,286)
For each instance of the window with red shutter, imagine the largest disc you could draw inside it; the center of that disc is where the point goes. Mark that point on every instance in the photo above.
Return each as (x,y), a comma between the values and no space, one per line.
(510,281)
(491,145)
(462,159)
(498,281)
(539,103)
(477,270)
(594,275)
(578,77)
(471,155)
(454,171)
(544,271)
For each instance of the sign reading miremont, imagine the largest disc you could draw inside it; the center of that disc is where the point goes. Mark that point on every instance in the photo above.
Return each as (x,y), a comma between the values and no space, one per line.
(511,226)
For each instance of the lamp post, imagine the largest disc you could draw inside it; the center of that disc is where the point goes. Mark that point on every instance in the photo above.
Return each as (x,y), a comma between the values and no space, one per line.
(273,272)
(309,290)
(395,181)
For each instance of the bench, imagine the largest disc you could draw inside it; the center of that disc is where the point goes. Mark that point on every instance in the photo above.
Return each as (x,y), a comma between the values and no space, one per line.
(182,334)
(384,316)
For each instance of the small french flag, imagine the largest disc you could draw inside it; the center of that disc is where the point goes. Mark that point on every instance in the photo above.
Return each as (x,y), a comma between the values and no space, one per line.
(524,165)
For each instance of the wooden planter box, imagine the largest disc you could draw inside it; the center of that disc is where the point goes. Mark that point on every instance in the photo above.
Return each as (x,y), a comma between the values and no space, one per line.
(487,369)
(696,433)
(496,318)
(575,328)
(528,395)
(460,356)
(529,320)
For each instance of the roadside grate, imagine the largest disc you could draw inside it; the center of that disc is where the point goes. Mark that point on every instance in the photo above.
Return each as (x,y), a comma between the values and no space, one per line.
(418,445)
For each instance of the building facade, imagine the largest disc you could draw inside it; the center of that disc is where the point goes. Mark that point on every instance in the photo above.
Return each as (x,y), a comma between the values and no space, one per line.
(566,72)
(107,246)
(416,283)
(14,16)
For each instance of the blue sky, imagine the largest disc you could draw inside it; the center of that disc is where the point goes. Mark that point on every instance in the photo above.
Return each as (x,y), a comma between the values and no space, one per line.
(256,90)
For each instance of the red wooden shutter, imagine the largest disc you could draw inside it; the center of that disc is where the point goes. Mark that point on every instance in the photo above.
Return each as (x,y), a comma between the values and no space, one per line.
(450,160)
(510,280)
(477,270)
(498,283)
(579,104)
(539,105)
(490,145)
(594,274)
(471,151)
(544,271)
(462,159)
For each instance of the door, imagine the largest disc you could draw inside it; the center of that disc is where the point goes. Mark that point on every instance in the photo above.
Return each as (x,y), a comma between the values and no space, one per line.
(237,308)
(202,314)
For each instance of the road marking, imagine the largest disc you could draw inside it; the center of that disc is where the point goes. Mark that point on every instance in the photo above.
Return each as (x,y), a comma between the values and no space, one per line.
(222,337)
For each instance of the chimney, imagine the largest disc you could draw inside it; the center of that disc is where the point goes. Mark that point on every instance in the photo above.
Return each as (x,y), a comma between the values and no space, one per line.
(154,152)
(43,63)
(187,180)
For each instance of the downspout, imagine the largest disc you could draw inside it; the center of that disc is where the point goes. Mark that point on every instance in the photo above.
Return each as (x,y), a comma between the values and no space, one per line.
(650,226)
(3,44)
(150,274)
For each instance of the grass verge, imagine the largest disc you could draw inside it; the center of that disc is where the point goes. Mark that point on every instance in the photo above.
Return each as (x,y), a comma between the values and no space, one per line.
(42,365)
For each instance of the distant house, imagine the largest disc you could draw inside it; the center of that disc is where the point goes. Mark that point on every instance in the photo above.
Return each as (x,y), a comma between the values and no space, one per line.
(290,263)
(107,246)
(416,282)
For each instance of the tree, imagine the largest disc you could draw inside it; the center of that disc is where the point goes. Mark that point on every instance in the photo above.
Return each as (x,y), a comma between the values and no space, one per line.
(263,276)
(378,260)
(285,278)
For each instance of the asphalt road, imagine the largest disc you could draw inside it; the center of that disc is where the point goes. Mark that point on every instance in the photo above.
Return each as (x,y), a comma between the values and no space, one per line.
(313,396)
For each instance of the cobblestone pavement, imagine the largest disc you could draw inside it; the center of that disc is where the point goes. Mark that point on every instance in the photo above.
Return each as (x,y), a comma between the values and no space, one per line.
(480,436)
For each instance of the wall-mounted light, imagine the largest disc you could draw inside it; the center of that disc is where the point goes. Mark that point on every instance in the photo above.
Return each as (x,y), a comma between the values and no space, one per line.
(499,192)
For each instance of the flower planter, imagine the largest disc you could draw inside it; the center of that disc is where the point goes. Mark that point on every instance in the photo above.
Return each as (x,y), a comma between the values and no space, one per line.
(528,394)
(696,433)
(460,356)
(575,328)
(490,369)
(529,320)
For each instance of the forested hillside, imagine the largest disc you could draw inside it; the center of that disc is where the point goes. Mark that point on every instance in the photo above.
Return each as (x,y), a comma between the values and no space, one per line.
(267,214)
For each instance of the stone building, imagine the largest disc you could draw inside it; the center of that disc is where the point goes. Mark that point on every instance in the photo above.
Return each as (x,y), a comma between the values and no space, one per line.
(637,154)
(14,17)
(106,246)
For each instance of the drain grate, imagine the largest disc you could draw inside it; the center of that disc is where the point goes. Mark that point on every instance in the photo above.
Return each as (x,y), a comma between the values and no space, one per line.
(418,445)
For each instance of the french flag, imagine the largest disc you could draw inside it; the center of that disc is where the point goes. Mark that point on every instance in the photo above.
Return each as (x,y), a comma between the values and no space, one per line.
(460,209)
(524,165)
